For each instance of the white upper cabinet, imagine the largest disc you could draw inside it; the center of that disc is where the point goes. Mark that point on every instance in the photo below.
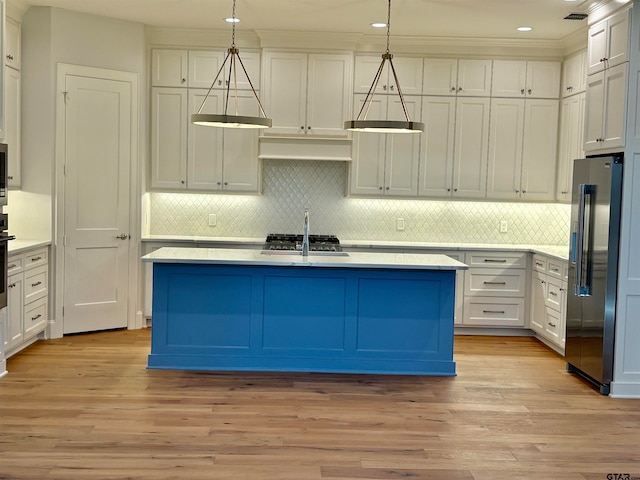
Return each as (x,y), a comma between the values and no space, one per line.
(204,148)
(204,65)
(386,164)
(604,123)
(522,149)
(12,97)
(12,56)
(436,162)
(443,76)
(169,138)
(608,42)
(520,79)
(574,74)
(571,142)
(408,70)
(307,94)
(169,68)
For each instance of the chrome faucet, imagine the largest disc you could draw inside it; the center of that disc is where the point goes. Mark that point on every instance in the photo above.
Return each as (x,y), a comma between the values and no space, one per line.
(305,234)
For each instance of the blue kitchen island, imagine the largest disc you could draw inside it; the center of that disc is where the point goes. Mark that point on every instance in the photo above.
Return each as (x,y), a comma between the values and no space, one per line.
(230,309)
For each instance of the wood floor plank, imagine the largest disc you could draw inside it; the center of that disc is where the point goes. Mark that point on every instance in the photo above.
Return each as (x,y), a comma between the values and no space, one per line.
(85,406)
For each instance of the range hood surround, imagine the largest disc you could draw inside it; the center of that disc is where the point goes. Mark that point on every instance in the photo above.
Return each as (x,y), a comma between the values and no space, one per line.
(305,148)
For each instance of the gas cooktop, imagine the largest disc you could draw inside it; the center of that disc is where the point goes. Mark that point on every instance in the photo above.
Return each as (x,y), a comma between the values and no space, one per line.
(317,243)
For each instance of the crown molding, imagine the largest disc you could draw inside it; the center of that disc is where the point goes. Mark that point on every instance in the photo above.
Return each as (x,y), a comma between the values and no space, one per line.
(189,37)
(600,9)
(16,9)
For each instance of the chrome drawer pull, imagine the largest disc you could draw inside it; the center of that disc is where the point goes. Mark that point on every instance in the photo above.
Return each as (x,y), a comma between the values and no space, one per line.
(492,260)
(36,317)
(36,284)
(495,283)
(501,312)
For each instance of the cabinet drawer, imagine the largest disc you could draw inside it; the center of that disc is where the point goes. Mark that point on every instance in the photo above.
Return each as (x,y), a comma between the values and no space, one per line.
(36,284)
(15,265)
(503,312)
(35,317)
(553,326)
(495,282)
(36,258)
(555,295)
(496,260)
(555,268)
(539,263)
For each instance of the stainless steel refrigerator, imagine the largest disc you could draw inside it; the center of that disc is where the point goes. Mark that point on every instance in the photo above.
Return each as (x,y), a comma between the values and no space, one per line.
(593,268)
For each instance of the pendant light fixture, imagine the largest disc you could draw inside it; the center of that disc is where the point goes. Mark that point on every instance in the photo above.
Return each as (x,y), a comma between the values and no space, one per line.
(226,119)
(361,124)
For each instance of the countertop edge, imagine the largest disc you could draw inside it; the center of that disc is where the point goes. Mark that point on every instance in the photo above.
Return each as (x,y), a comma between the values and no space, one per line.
(18,246)
(556,251)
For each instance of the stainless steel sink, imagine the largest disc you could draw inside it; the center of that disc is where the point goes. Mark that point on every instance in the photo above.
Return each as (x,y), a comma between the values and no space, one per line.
(311,254)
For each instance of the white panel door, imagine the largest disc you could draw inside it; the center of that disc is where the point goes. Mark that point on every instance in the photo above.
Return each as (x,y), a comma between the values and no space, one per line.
(436,162)
(539,151)
(571,143)
(409,71)
(474,78)
(543,79)
(440,76)
(505,148)
(615,96)
(96,203)
(594,108)
(169,68)
(471,147)
(328,94)
(204,157)
(203,68)
(617,39)
(509,78)
(12,122)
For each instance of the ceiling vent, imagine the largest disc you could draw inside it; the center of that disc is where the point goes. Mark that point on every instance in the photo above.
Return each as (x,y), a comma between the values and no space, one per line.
(576,16)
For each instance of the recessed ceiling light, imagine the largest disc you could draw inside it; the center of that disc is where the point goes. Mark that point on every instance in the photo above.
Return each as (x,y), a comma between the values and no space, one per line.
(379,25)
(232,20)
(524,29)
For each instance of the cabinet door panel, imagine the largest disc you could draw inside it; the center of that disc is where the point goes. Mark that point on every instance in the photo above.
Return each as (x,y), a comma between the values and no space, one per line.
(284,91)
(596,47)
(367,168)
(594,106)
(440,76)
(615,88)
(12,98)
(436,164)
(203,68)
(365,69)
(241,165)
(509,78)
(169,138)
(403,151)
(169,68)
(409,71)
(470,147)
(474,78)
(205,143)
(539,153)
(571,140)
(505,148)
(328,94)
(538,308)
(618,39)
(543,79)
(13,46)
(15,303)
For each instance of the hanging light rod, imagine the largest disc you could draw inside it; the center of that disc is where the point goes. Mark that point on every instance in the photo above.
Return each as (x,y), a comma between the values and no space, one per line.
(361,124)
(226,119)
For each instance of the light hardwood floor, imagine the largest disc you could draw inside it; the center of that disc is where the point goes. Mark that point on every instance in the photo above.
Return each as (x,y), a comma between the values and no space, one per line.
(85,407)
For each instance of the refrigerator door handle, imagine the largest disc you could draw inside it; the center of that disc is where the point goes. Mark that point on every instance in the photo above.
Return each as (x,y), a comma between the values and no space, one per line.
(582,253)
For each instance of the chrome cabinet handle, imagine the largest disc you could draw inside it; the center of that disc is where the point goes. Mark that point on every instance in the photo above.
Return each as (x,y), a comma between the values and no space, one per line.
(495,283)
(183,80)
(459,89)
(495,260)
(453,89)
(36,317)
(501,312)
(122,236)
(529,91)
(9,57)
(522,91)
(11,285)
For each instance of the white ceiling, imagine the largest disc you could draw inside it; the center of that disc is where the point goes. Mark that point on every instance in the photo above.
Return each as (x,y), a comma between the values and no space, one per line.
(421,18)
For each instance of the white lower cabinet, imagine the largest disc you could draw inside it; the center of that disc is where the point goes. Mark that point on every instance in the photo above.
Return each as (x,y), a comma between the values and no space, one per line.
(495,289)
(27,298)
(548,300)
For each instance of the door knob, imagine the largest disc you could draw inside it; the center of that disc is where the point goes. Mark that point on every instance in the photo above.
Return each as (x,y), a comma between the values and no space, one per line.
(122,236)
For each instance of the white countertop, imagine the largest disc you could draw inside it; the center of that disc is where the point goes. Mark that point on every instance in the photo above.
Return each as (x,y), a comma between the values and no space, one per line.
(225,256)
(557,251)
(19,245)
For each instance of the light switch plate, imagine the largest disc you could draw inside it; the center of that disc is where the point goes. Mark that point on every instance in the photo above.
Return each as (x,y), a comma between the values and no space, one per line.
(399,224)
(213,219)
(503,226)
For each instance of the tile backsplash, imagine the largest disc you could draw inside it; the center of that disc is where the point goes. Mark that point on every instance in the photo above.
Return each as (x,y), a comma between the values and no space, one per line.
(290,186)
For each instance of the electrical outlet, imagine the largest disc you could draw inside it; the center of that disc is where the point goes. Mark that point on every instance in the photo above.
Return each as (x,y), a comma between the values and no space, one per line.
(399,224)
(503,226)
(213,219)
